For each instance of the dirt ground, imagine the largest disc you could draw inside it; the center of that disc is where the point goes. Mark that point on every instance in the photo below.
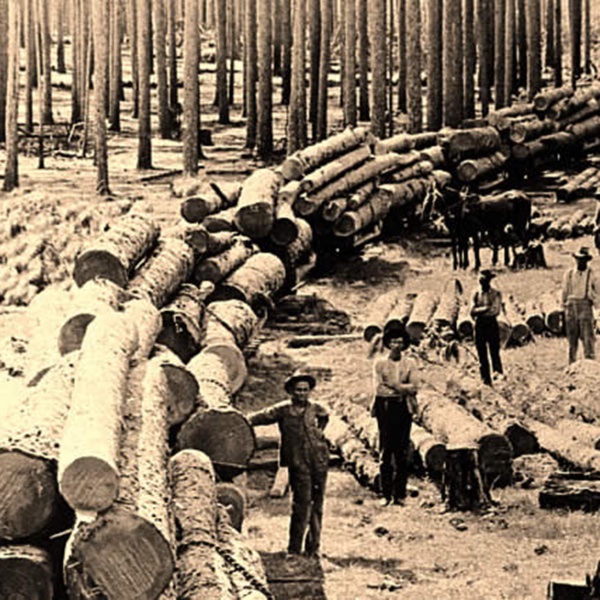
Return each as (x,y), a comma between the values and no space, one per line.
(417,551)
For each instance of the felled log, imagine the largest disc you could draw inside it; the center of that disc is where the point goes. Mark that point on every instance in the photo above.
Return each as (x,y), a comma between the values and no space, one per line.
(256,206)
(410,192)
(285,226)
(585,130)
(421,314)
(116,252)
(229,325)
(261,276)
(431,451)
(289,192)
(194,209)
(298,257)
(545,146)
(220,430)
(465,325)
(360,195)
(534,317)
(311,157)
(224,220)
(519,330)
(375,319)
(232,498)
(566,590)
(588,110)
(185,185)
(434,155)
(554,315)
(453,425)
(464,143)
(333,209)
(334,169)
(181,318)
(374,210)
(571,190)
(25,572)
(573,491)
(169,266)
(501,118)
(476,168)
(523,131)
(404,142)
(216,268)
(446,312)
(504,328)
(229,191)
(542,100)
(585,434)
(463,487)
(30,429)
(418,169)
(219,241)
(399,315)
(87,467)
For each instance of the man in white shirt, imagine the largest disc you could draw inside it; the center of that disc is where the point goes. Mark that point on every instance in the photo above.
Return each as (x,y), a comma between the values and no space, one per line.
(579,296)
(395,383)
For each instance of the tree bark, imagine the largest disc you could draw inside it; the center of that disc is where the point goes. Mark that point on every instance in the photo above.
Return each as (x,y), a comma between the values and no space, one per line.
(46,61)
(573,491)
(172,60)
(115,84)
(435,104)
(422,311)
(264,141)
(221,221)
(11,175)
(522,42)
(314,24)
(60,40)
(413,73)
(472,169)
(286,52)
(144,153)
(575,39)
(587,39)
(349,81)
(363,59)
(324,57)
(3,68)
(160,49)
(499,40)
(550,43)
(221,61)
(191,99)
(453,63)
(485,52)
(534,49)
(470,58)
(402,60)
(509,51)
(399,315)
(377,42)
(216,268)
(132,30)
(463,143)
(296,131)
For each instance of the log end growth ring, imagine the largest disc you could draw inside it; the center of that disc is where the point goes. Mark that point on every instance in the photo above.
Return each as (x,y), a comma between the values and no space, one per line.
(73,331)
(89,484)
(255,220)
(120,556)
(184,393)
(99,263)
(234,362)
(28,495)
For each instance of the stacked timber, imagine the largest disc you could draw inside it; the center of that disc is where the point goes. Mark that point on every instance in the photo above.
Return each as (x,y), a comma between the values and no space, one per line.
(583,184)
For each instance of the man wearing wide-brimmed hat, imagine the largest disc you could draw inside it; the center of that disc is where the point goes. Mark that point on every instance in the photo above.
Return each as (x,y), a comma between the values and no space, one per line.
(579,296)
(395,382)
(304,450)
(486,305)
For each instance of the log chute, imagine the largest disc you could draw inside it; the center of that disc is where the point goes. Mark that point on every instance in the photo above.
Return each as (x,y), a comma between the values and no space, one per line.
(117,251)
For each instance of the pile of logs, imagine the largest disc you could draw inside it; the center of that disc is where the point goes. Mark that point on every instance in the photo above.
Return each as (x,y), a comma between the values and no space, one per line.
(570,225)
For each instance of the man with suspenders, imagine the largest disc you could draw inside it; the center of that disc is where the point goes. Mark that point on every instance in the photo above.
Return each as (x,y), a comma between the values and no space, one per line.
(579,295)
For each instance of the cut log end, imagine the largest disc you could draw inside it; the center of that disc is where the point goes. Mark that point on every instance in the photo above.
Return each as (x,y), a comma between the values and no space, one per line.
(284,232)
(232,499)
(28,495)
(255,221)
(234,362)
(119,555)
(184,393)
(25,573)
(72,332)
(99,264)
(89,484)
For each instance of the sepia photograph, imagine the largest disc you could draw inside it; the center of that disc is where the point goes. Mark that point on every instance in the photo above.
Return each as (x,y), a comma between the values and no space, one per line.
(299,299)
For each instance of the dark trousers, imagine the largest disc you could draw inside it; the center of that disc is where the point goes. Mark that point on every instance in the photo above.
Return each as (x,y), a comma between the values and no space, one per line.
(394,422)
(487,337)
(579,324)
(308,494)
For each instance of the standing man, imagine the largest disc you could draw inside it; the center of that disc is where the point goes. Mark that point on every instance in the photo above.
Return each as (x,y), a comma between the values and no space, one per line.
(305,452)
(395,386)
(486,305)
(579,295)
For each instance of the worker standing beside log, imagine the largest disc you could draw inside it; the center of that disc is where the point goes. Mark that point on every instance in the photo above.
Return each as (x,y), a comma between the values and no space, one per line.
(395,383)
(579,295)
(485,308)
(304,450)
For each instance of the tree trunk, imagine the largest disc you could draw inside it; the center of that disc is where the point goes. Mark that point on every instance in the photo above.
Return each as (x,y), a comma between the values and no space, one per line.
(402,60)
(285,228)
(435,105)
(191,99)
(470,59)
(286,52)
(26,572)
(132,29)
(264,142)
(377,42)
(558,51)
(534,48)
(363,59)
(453,63)
(144,154)
(349,81)
(195,209)
(509,51)
(276,35)
(216,268)
(160,32)
(499,40)
(431,452)
(172,61)
(114,255)
(522,43)
(115,84)
(324,56)
(413,73)
(404,142)
(314,24)
(575,39)
(485,52)
(587,39)
(550,43)
(422,312)
(11,175)
(296,131)
(221,61)
(373,211)
(3,67)
(463,487)
(220,430)
(60,40)
(446,312)
(46,60)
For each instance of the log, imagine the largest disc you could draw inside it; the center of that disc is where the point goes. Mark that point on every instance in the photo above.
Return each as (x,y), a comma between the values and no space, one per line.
(406,194)
(572,189)
(229,191)
(194,209)
(434,155)
(585,130)
(400,313)
(94,297)
(334,169)
(446,312)
(333,209)
(534,317)
(219,241)
(194,235)
(420,316)
(465,326)
(285,226)
(219,430)
(87,467)
(505,329)
(378,312)
(374,210)
(303,161)
(520,333)
(360,195)
(30,429)
(464,143)
(472,169)
(404,142)
(256,206)
(554,315)
(169,266)
(545,146)
(289,192)
(523,131)
(232,498)
(216,268)
(201,573)
(298,257)
(589,110)
(501,118)
(454,426)
(25,572)
(542,100)
(572,491)
(116,252)
(259,278)
(463,487)
(431,451)
(186,185)
(585,434)
(181,319)
(224,220)
(418,169)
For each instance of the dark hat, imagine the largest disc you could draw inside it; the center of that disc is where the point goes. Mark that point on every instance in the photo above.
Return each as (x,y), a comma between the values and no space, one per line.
(584,253)
(486,274)
(297,376)
(393,334)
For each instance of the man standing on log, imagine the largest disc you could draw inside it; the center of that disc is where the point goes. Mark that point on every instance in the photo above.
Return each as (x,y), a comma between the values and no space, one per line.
(304,450)
(579,295)
(395,383)
(485,308)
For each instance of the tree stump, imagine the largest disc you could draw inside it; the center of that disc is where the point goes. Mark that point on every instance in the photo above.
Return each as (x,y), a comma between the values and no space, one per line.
(462,485)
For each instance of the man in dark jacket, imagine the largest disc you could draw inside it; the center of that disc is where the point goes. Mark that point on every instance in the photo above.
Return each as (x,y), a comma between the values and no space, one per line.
(305,452)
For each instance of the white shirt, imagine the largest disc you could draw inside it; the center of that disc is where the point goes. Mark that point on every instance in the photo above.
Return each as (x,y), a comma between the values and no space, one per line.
(579,285)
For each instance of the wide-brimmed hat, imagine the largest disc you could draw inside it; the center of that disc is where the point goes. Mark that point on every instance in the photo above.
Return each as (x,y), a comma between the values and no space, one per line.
(392,334)
(297,376)
(584,253)
(486,274)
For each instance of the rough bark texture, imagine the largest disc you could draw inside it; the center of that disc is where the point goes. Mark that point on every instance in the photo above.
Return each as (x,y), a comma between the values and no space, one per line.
(324,57)
(534,48)
(255,209)
(144,156)
(463,487)
(221,61)
(413,72)
(224,220)
(435,105)
(114,255)
(477,168)
(499,58)
(296,132)
(25,572)
(462,143)
(349,83)
(11,174)
(575,18)
(453,63)
(377,42)
(3,67)
(431,452)
(376,317)
(573,491)
(194,209)
(485,52)
(509,51)
(363,59)
(159,26)
(264,140)
(216,268)
(422,312)
(191,89)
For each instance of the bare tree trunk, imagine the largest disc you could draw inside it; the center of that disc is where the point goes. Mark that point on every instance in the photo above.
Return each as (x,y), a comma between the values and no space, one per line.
(349,104)
(172,60)
(326,24)
(522,43)
(30,68)
(575,38)
(534,48)
(499,40)
(160,49)
(276,33)
(231,35)
(44,20)
(558,52)
(509,51)
(221,66)
(144,155)
(453,63)
(550,43)
(250,72)
(470,59)
(435,106)
(363,59)
(101,20)
(402,67)
(587,39)
(3,67)
(314,25)
(191,90)
(60,39)
(413,60)
(11,175)
(132,26)
(484,49)
(377,42)
(296,134)
(114,109)
(264,140)
(286,49)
